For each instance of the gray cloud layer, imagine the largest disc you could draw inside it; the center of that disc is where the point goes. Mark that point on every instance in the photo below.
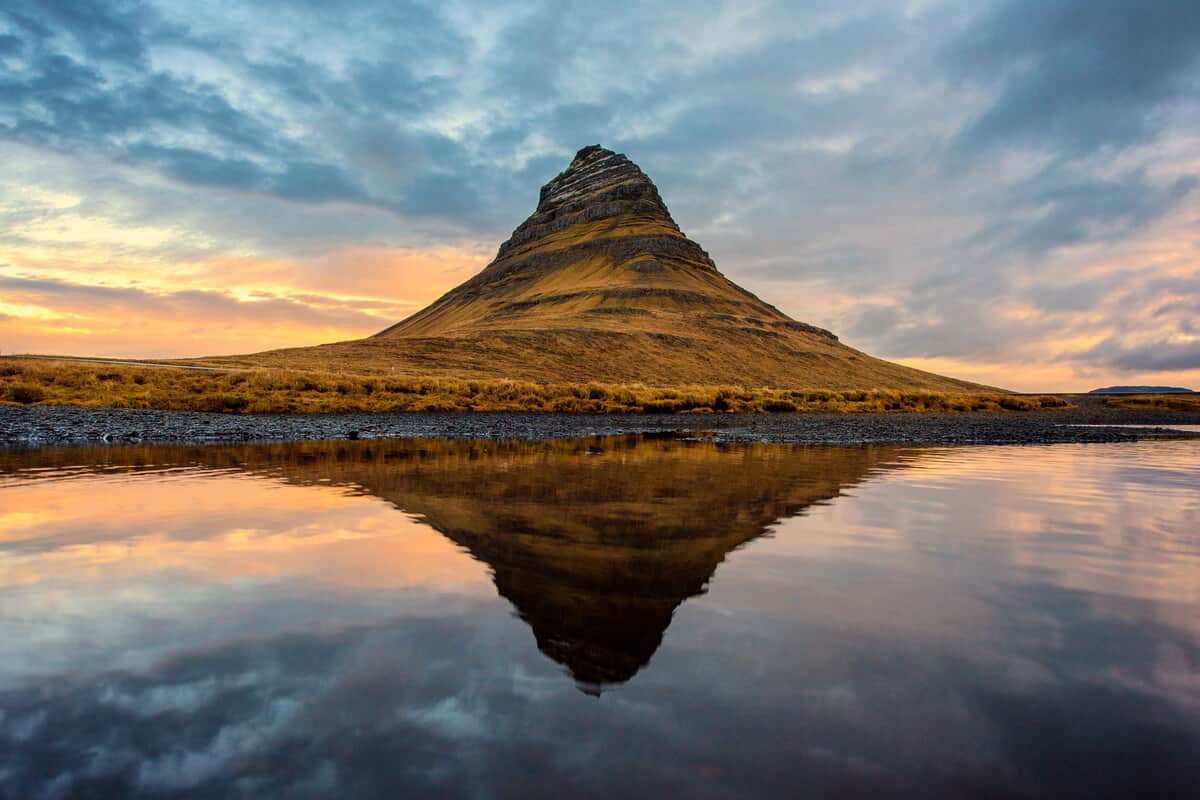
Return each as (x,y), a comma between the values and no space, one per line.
(1076,75)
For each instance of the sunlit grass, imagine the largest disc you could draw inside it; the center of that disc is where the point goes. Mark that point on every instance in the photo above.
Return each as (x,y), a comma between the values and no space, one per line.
(30,382)
(1155,402)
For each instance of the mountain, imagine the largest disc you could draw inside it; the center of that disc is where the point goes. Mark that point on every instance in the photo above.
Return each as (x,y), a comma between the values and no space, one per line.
(1141,390)
(600,284)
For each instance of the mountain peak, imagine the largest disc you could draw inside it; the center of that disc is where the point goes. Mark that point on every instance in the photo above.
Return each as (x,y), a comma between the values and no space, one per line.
(597,184)
(591,149)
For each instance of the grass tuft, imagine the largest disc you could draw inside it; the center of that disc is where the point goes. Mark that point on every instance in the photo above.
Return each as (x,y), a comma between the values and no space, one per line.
(24,394)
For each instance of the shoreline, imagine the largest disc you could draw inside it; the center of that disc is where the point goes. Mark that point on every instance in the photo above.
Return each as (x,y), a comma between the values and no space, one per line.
(32,427)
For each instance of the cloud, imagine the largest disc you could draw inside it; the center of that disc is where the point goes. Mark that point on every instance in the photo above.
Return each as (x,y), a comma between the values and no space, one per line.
(1081,295)
(1103,327)
(10,45)
(1075,76)
(1159,356)
(1056,211)
(58,316)
(119,104)
(121,302)
(919,328)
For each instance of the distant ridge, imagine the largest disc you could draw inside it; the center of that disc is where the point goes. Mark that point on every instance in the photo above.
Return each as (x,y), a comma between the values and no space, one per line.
(1141,390)
(600,284)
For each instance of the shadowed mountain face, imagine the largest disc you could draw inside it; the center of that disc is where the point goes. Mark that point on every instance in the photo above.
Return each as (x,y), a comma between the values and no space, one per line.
(594,542)
(600,284)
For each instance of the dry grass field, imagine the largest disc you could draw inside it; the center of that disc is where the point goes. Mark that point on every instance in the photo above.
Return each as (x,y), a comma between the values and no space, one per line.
(1155,402)
(33,381)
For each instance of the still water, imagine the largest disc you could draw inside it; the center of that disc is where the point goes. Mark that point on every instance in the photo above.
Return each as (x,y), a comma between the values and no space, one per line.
(605,618)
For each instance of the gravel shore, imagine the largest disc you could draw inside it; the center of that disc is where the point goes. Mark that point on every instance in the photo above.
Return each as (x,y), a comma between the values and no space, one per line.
(59,426)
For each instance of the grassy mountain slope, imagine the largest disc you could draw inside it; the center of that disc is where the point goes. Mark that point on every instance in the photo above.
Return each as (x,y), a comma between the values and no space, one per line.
(599,284)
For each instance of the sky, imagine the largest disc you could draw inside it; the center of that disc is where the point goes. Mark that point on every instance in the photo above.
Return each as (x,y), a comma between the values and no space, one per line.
(1001,190)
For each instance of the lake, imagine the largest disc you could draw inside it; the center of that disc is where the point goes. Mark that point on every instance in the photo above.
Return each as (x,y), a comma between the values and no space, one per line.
(611,617)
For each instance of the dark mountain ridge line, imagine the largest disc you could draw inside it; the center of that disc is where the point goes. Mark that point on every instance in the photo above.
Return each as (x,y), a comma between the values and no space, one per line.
(1142,390)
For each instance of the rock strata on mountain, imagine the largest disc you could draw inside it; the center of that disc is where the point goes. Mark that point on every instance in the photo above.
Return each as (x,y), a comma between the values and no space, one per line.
(600,284)
(602,224)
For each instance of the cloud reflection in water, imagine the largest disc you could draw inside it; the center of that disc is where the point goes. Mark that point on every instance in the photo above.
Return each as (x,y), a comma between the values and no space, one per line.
(317,619)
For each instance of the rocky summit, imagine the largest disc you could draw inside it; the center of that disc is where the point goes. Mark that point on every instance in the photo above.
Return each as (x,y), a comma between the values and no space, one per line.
(600,284)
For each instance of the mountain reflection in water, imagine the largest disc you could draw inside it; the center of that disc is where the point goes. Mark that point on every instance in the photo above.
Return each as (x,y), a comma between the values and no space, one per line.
(336,619)
(595,543)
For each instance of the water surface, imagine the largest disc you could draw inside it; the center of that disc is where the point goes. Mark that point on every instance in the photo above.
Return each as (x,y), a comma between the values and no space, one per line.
(611,617)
